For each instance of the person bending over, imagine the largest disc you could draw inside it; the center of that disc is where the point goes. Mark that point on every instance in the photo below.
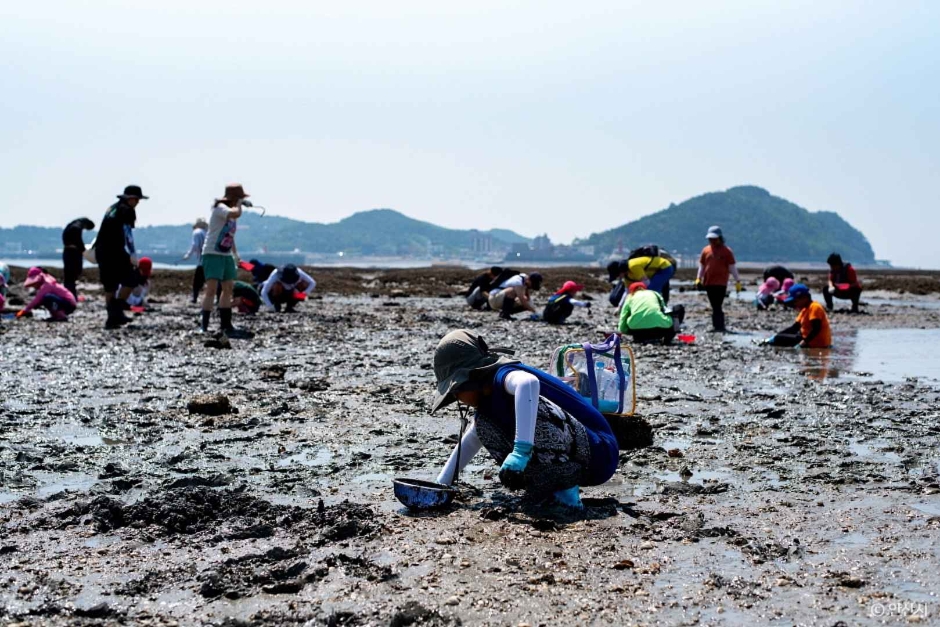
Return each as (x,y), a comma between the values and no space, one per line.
(645,317)
(479,292)
(843,283)
(542,448)
(73,249)
(286,287)
(514,295)
(49,295)
(562,303)
(811,329)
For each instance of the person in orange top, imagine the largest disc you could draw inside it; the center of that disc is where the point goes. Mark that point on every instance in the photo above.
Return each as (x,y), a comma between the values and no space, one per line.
(715,265)
(811,329)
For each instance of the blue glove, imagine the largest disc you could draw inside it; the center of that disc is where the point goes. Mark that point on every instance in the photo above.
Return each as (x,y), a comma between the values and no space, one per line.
(511,473)
(535,317)
(569,498)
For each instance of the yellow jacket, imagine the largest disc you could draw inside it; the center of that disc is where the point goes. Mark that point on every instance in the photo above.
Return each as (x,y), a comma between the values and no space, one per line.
(645,267)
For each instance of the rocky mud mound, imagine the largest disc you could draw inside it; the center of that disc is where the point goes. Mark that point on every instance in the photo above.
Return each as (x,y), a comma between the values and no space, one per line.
(226,513)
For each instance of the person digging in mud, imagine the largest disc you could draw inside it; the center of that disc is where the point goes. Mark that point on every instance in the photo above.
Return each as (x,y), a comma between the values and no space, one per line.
(654,268)
(478,295)
(562,303)
(138,295)
(73,248)
(543,449)
(116,255)
(245,298)
(514,295)
(811,329)
(715,265)
(843,283)
(218,258)
(285,288)
(647,319)
(195,251)
(49,295)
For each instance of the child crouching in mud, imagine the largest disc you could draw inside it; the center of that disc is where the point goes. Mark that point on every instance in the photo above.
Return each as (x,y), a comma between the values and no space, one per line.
(546,438)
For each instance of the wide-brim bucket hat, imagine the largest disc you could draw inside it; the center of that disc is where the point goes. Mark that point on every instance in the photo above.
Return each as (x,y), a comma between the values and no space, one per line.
(461,357)
(133,191)
(235,191)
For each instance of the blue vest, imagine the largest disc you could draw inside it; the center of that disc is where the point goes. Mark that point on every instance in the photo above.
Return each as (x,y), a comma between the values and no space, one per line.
(603,443)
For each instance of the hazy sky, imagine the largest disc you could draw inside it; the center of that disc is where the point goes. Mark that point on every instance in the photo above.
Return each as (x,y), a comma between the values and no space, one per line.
(545,116)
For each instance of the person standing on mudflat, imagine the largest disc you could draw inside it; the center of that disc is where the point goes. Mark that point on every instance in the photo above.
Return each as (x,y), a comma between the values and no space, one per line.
(218,258)
(715,265)
(195,250)
(116,255)
(72,248)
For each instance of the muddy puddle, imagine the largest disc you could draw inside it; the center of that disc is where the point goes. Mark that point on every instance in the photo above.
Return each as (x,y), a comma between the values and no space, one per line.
(768,495)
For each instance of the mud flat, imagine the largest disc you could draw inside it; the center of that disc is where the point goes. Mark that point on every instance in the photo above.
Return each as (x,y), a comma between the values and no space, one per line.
(782,487)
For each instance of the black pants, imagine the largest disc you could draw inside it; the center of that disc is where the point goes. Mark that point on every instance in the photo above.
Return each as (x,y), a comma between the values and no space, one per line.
(716,298)
(653,335)
(788,340)
(199,279)
(664,334)
(71,268)
(665,293)
(853,294)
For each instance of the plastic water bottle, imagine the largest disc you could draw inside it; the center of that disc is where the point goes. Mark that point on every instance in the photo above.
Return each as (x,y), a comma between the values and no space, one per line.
(608,389)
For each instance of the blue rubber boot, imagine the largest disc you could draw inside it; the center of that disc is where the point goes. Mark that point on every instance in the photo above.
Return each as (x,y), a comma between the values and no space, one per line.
(569,498)
(511,473)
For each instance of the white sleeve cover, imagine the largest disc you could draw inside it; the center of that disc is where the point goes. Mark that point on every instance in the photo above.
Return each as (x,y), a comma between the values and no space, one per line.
(266,288)
(578,303)
(311,283)
(525,388)
(470,446)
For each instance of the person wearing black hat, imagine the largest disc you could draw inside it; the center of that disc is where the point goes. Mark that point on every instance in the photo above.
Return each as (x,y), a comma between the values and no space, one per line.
(843,283)
(116,255)
(284,287)
(546,438)
(514,295)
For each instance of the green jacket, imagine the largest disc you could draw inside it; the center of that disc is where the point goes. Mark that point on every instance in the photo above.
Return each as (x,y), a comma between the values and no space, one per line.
(644,309)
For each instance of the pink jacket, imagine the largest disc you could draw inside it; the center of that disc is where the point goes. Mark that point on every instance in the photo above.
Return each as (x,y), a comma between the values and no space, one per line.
(49,288)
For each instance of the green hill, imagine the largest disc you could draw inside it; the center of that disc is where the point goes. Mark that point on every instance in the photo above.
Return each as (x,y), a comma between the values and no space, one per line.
(757,225)
(374,232)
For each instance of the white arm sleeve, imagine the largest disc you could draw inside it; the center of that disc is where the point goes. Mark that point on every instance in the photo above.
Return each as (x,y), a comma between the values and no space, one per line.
(470,446)
(734,271)
(266,288)
(309,279)
(578,303)
(525,388)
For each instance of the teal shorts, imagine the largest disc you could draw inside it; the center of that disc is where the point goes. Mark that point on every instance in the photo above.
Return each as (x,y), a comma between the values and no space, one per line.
(219,267)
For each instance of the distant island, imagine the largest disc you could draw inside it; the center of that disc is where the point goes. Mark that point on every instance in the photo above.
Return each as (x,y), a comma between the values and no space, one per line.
(760,227)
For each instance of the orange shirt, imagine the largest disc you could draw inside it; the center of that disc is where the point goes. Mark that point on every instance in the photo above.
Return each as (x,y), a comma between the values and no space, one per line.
(815,311)
(716,262)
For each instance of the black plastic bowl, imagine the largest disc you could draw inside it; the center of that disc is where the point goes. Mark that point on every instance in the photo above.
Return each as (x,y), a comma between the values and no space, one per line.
(418,494)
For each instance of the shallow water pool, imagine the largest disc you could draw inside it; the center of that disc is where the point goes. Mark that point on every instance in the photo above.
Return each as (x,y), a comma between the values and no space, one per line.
(889,355)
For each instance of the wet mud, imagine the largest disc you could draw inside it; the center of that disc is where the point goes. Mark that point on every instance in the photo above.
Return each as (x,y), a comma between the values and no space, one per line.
(146,478)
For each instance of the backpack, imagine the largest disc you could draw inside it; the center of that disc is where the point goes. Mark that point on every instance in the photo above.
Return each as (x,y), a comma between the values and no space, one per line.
(603,373)
(558,309)
(651,250)
(616,293)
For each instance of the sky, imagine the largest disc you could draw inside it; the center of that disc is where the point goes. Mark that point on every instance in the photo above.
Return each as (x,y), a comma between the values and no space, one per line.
(542,117)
